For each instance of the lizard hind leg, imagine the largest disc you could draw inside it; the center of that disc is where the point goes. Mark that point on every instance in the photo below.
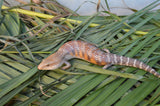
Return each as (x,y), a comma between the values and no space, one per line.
(67,65)
(106,50)
(106,66)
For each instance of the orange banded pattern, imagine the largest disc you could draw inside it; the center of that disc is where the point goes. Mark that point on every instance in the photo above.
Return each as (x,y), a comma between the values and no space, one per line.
(90,53)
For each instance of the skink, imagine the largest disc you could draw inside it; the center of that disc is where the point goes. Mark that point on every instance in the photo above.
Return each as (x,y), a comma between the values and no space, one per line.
(90,53)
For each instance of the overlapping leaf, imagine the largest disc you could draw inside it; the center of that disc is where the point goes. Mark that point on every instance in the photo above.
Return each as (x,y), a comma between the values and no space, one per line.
(20,79)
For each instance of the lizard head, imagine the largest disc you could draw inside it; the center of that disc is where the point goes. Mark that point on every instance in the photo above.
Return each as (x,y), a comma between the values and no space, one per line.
(52,62)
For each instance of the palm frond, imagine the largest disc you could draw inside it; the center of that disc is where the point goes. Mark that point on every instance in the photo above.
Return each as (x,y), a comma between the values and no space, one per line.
(29,39)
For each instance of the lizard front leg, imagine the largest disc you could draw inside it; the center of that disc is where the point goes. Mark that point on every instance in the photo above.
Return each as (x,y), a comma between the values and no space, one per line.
(67,65)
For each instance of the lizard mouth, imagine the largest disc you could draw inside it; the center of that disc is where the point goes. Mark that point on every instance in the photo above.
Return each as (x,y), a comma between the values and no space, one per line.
(40,67)
(47,67)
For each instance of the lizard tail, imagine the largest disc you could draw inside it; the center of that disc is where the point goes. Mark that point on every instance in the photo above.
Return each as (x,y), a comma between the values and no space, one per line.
(126,61)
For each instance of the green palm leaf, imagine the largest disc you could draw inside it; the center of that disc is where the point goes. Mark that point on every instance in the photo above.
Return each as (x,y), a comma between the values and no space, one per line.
(83,83)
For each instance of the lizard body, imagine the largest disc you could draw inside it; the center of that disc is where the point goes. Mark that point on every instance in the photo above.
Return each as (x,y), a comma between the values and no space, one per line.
(90,53)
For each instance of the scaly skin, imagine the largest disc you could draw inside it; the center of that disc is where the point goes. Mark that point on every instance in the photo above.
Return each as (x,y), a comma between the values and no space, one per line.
(90,53)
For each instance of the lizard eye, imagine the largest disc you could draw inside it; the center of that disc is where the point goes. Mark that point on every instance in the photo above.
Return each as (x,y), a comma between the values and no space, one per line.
(48,65)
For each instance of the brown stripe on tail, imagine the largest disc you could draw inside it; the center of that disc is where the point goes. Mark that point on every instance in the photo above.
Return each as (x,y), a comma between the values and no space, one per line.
(126,61)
